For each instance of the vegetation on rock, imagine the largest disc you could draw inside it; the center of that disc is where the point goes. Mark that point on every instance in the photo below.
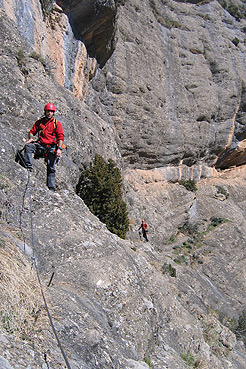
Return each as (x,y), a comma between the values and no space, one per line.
(190,185)
(169,269)
(21,304)
(189,359)
(240,331)
(236,11)
(100,187)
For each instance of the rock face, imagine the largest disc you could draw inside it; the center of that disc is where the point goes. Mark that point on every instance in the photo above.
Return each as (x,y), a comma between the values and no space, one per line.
(174,86)
(173,89)
(94,23)
(163,101)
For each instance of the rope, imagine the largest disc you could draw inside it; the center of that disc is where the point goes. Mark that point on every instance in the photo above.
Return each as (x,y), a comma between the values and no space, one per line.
(45,359)
(39,280)
(22,210)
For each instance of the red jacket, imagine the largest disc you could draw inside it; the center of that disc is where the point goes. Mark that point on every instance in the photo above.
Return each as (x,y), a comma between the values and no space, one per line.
(144,226)
(49,131)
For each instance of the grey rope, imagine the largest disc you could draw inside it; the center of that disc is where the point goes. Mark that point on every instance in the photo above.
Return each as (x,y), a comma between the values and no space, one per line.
(39,280)
(22,210)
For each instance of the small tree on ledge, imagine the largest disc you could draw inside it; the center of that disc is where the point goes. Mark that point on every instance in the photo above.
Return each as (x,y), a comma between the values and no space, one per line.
(100,188)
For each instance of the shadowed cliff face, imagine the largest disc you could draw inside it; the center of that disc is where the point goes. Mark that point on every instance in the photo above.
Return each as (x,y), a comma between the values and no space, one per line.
(234,153)
(93,22)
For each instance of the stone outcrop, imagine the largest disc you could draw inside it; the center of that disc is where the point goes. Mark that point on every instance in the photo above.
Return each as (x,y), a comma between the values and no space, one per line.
(166,103)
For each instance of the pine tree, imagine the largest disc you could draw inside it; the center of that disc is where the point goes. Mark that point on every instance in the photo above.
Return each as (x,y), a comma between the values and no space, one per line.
(100,187)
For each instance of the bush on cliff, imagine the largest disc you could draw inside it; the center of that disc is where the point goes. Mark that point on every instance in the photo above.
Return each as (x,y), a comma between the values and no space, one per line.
(100,188)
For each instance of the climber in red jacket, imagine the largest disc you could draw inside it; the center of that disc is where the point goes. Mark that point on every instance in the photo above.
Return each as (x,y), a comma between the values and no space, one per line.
(48,145)
(145,229)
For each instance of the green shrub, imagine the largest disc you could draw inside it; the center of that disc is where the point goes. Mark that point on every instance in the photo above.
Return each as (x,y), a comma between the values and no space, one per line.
(100,188)
(190,184)
(38,57)
(237,12)
(216,221)
(148,361)
(120,2)
(221,190)
(168,269)
(240,331)
(172,239)
(189,229)
(188,245)
(223,3)
(181,259)
(235,41)
(20,57)
(189,359)
(234,11)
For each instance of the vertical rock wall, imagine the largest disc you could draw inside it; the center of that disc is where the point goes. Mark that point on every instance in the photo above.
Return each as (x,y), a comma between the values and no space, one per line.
(174,82)
(52,39)
(169,78)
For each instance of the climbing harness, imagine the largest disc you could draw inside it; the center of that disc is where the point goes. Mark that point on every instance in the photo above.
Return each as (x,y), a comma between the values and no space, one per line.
(41,151)
(40,131)
(36,267)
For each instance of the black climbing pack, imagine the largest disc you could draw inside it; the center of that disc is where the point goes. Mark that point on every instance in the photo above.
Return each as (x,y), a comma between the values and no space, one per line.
(19,158)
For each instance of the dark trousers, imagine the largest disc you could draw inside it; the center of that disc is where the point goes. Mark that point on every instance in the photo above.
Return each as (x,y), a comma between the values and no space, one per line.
(145,234)
(40,151)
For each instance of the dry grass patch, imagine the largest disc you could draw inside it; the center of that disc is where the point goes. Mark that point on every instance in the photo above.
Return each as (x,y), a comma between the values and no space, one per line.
(22,311)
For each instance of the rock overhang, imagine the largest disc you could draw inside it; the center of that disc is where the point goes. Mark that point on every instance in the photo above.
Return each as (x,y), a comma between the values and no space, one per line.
(93,22)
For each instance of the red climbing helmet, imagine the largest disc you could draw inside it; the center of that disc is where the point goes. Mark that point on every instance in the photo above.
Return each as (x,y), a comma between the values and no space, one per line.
(50,107)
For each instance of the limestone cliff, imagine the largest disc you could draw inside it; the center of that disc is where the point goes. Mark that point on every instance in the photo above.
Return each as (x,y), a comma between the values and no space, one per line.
(172,76)
(158,86)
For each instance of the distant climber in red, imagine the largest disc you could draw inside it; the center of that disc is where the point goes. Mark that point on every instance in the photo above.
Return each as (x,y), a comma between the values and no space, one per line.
(144,230)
